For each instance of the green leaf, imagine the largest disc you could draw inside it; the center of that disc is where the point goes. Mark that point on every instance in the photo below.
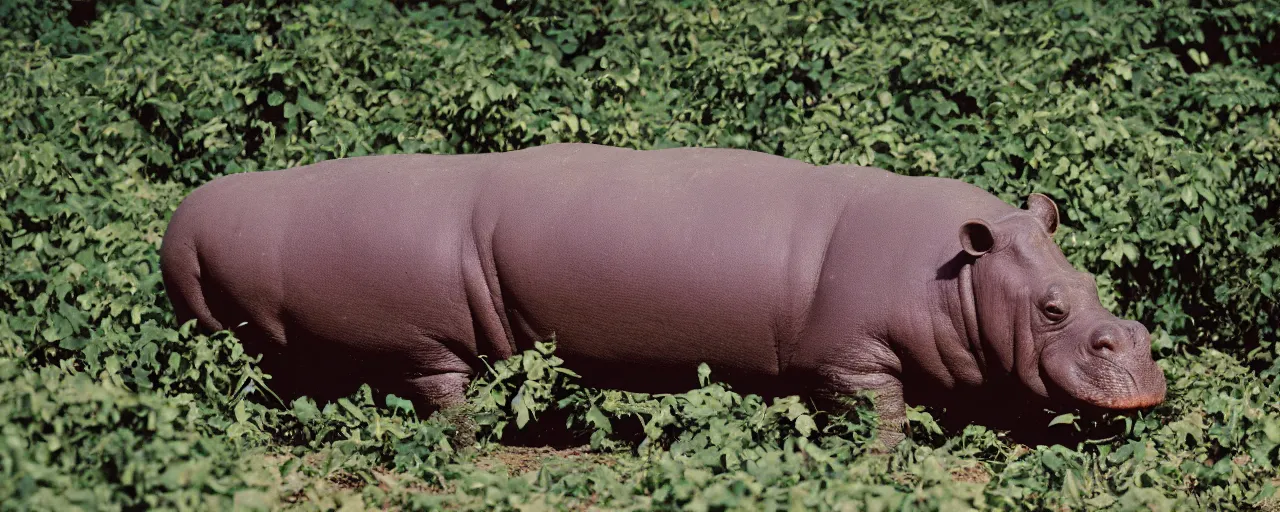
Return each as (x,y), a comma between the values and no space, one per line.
(1064,419)
(242,416)
(1130,251)
(597,419)
(310,106)
(399,404)
(353,410)
(1189,196)
(704,374)
(805,425)
(1193,236)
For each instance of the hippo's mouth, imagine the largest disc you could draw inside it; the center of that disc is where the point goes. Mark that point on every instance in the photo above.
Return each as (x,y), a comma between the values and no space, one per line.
(1126,403)
(1104,384)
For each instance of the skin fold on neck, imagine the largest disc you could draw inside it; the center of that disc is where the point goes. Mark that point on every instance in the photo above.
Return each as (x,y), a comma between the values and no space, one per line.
(969,311)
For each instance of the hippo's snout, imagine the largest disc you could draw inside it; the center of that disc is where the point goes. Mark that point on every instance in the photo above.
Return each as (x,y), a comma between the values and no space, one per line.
(1149,386)
(1112,368)
(1120,338)
(1126,347)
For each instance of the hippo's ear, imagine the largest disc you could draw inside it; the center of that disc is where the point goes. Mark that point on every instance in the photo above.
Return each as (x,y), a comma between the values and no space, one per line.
(1045,210)
(976,237)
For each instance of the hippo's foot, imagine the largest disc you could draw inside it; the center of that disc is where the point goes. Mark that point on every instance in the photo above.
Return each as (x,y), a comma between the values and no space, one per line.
(445,394)
(462,418)
(886,396)
(893,415)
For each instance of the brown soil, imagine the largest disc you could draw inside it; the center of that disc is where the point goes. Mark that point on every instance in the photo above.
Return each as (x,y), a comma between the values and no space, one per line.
(519,460)
(973,474)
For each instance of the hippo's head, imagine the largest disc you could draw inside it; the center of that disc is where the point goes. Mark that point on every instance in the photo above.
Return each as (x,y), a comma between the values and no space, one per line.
(1040,319)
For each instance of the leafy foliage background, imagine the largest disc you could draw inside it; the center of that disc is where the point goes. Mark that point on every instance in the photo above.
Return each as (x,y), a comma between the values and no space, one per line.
(1153,124)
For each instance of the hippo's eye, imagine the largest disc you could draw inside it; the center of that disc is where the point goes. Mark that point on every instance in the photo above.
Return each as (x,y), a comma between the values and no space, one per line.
(1055,311)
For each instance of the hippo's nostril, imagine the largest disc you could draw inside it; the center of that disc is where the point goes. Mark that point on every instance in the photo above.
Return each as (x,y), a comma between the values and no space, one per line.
(1104,344)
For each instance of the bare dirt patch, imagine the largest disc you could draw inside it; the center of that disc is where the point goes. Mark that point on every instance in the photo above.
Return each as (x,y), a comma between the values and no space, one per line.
(972,473)
(519,460)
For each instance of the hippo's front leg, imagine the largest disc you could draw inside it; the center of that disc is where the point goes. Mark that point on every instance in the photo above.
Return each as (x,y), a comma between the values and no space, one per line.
(886,390)
(445,394)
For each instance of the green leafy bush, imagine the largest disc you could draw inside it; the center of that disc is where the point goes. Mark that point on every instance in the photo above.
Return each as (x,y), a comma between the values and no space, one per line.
(1155,128)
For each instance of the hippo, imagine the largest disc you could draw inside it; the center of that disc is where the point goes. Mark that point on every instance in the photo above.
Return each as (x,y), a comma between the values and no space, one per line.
(407,272)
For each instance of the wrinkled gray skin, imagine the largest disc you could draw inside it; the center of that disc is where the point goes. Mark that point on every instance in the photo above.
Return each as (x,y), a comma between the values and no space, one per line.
(402,271)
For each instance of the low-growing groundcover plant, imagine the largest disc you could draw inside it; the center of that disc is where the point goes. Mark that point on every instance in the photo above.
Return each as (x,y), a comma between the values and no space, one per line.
(1153,124)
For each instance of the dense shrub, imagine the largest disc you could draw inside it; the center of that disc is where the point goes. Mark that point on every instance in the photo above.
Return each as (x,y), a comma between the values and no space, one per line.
(1155,127)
